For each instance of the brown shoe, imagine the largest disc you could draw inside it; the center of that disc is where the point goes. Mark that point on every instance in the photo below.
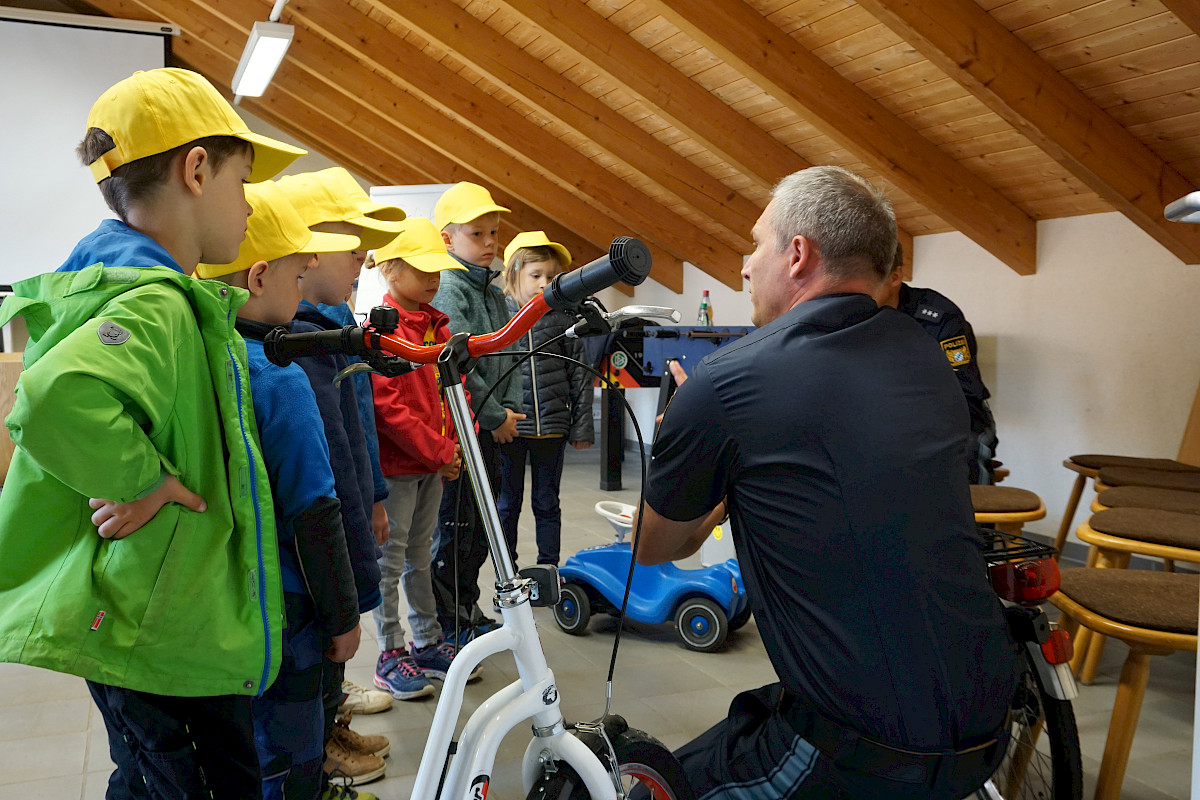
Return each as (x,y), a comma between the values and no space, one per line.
(361,743)
(358,767)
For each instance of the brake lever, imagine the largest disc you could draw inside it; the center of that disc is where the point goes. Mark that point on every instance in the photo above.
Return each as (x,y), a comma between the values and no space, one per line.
(597,322)
(385,364)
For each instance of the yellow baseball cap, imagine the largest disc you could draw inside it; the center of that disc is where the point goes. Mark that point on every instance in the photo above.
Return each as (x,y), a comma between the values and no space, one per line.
(463,202)
(155,111)
(535,239)
(275,230)
(420,245)
(332,195)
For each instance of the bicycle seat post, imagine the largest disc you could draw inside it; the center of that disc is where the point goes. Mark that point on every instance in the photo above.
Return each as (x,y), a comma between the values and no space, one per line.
(452,364)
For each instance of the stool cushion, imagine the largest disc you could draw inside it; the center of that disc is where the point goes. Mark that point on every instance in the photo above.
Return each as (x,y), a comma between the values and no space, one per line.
(1157,478)
(1003,499)
(1149,497)
(1097,461)
(1161,601)
(1150,525)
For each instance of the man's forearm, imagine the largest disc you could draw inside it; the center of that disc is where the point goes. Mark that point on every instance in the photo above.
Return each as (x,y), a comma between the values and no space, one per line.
(662,540)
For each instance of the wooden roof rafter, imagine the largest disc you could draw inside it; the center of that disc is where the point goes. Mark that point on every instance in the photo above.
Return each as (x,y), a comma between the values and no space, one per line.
(778,63)
(966,43)
(211,43)
(373,48)
(533,82)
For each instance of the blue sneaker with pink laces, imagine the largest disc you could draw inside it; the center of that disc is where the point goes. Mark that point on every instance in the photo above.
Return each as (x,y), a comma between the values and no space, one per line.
(397,673)
(435,659)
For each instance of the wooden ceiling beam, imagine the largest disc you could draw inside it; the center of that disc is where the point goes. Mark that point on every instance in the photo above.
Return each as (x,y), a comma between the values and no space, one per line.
(372,46)
(341,84)
(319,112)
(966,43)
(670,94)
(1188,12)
(555,96)
(801,81)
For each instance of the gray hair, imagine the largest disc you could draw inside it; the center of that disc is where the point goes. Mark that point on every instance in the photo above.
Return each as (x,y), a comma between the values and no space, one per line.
(849,220)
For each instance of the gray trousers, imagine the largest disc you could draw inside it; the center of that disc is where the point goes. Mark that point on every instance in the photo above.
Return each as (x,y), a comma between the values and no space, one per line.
(412,508)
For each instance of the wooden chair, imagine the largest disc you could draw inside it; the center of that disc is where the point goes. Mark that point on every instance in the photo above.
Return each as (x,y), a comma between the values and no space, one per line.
(1155,613)
(1117,533)
(1147,497)
(1088,465)
(1006,507)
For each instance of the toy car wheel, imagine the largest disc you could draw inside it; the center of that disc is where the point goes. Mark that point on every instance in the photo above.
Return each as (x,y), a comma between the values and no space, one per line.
(701,624)
(740,618)
(574,609)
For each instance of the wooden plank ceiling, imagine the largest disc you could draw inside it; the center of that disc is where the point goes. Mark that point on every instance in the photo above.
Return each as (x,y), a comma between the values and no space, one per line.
(671,119)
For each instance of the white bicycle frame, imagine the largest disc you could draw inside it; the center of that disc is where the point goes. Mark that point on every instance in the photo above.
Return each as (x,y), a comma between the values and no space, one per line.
(534,696)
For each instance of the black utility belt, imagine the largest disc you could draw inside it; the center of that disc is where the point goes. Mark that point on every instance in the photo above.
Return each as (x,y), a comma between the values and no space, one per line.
(849,749)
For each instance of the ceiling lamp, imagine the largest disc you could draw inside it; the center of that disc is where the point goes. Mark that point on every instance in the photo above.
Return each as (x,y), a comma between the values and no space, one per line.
(263,54)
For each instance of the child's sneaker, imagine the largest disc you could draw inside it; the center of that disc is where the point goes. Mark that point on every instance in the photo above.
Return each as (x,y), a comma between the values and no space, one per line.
(362,743)
(358,767)
(435,660)
(344,791)
(397,673)
(360,700)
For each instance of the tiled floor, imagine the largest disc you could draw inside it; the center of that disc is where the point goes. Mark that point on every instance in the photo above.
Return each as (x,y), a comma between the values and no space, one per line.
(53,745)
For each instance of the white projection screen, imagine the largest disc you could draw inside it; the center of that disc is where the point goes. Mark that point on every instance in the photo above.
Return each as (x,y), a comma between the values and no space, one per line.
(52,73)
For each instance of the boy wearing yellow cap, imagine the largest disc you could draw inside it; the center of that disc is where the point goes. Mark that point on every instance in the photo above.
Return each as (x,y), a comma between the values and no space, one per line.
(417,448)
(326,202)
(557,399)
(135,388)
(468,219)
(320,598)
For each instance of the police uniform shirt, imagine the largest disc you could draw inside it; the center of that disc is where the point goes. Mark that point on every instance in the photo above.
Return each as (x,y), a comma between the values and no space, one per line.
(944,321)
(838,435)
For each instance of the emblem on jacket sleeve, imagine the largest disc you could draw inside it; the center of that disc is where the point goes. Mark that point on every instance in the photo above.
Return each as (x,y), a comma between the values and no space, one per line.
(957,351)
(112,333)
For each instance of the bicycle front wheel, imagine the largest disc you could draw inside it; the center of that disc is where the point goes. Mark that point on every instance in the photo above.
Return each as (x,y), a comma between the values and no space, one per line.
(1042,762)
(649,771)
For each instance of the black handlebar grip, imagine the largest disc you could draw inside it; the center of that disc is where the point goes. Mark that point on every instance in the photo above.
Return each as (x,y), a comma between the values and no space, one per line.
(280,347)
(628,262)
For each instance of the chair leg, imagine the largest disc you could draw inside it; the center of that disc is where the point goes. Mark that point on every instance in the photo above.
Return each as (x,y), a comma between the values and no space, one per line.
(1069,515)
(1130,693)
(1081,641)
(1091,662)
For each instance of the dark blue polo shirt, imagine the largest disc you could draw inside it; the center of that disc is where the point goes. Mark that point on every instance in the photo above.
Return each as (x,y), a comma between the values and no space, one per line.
(838,432)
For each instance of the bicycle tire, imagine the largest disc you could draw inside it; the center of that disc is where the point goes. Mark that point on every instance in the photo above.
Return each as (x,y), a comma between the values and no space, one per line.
(1031,770)
(644,762)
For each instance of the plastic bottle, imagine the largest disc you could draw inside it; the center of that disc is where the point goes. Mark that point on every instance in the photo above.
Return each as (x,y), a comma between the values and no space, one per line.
(705,316)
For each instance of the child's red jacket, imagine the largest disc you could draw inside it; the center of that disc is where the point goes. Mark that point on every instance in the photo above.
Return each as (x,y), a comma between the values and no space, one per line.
(416,434)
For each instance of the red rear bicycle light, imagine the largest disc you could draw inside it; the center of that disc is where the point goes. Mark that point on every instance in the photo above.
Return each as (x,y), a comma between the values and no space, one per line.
(1058,649)
(1025,581)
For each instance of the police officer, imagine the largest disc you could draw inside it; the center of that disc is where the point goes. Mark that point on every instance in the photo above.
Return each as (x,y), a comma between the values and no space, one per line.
(833,438)
(945,322)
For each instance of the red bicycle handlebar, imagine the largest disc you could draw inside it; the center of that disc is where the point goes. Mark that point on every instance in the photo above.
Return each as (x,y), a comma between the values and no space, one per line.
(477,346)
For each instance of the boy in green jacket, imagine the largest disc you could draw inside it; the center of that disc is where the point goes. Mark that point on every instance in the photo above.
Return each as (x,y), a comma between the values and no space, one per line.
(134,396)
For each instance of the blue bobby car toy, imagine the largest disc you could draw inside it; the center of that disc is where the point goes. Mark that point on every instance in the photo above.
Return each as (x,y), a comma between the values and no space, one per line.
(705,604)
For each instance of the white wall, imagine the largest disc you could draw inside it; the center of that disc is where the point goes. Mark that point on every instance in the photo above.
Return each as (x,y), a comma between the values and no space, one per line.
(1095,353)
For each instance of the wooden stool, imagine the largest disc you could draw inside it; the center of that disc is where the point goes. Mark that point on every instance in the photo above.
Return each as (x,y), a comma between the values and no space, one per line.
(1088,464)
(1006,507)
(1117,533)
(1155,613)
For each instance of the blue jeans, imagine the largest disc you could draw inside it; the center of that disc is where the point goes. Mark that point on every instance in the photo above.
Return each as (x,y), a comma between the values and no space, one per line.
(289,717)
(178,748)
(545,457)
